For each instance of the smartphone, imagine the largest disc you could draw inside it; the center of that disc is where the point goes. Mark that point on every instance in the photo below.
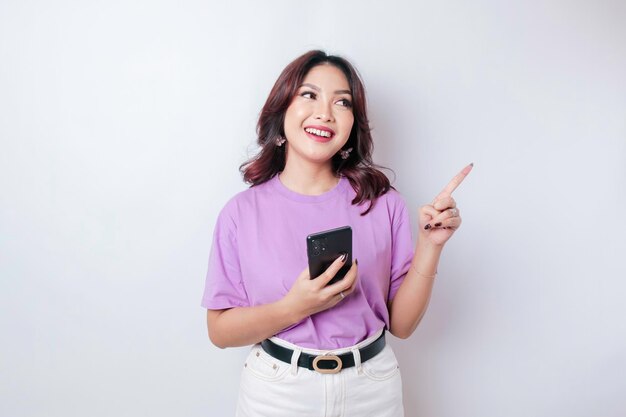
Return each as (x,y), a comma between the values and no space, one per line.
(324,247)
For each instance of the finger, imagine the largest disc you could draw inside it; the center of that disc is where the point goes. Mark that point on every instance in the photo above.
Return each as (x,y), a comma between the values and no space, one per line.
(443,216)
(429,210)
(352,287)
(345,284)
(427,214)
(345,293)
(354,280)
(331,271)
(452,223)
(444,203)
(455,182)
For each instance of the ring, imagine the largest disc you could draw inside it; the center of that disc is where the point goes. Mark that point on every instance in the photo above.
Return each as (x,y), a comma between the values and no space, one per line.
(342,295)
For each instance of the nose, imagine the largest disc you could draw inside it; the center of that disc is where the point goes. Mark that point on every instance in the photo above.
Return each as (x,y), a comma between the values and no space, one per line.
(323,111)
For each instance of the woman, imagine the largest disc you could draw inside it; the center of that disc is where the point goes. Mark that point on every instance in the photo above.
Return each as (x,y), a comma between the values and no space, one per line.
(319,350)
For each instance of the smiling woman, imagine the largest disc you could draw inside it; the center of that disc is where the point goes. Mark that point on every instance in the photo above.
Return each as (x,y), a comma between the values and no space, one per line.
(319,347)
(319,120)
(316,91)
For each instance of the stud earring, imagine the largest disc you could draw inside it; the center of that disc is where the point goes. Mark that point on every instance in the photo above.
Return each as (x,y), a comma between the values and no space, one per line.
(280,140)
(345,153)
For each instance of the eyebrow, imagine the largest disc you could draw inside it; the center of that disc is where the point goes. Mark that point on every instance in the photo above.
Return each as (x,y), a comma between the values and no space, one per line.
(316,88)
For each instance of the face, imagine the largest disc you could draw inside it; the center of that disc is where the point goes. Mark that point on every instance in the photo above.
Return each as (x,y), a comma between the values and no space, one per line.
(319,119)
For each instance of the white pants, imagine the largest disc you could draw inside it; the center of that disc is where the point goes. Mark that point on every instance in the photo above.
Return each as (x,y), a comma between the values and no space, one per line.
(272,388)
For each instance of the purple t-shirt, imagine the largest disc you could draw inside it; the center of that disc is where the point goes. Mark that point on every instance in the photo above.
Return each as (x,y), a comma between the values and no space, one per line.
(259,249)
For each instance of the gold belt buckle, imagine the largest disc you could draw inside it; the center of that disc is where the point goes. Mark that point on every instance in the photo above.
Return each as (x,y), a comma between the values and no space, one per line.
(327,358)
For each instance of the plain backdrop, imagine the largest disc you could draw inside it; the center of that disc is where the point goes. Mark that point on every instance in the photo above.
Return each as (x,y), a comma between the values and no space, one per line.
(122,126)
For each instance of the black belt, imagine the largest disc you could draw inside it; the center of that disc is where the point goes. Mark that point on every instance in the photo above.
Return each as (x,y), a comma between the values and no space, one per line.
(326,364)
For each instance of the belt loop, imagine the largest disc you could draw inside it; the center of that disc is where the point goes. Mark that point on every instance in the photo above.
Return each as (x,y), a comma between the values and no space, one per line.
(357,361)
(294,361)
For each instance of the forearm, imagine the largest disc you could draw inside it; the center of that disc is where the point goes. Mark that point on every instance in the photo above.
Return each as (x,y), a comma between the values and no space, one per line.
(411,300)
(242,326)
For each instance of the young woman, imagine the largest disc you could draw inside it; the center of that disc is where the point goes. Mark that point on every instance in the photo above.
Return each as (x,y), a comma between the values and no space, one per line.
(318,349)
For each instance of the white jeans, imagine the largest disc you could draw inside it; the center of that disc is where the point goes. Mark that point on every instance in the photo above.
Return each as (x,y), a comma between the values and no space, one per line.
(272,388)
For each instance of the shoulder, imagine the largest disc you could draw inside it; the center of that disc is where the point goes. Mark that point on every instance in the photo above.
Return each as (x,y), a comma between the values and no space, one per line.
(393,196)
(393,200)
(390,206)
(242,202)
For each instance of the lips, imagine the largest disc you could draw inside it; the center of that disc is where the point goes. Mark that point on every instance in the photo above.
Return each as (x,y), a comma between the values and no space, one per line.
(319,133)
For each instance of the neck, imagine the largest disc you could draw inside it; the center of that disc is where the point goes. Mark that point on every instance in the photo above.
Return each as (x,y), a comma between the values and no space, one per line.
(308,179)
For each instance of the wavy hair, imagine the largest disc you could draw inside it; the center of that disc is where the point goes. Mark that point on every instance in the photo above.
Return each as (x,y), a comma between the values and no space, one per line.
(364,176)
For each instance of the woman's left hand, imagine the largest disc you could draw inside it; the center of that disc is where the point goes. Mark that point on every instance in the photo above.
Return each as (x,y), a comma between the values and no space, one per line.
(439,220)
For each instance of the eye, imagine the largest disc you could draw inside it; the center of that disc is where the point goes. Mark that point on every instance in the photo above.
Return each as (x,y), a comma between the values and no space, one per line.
(344,102)
(308,94)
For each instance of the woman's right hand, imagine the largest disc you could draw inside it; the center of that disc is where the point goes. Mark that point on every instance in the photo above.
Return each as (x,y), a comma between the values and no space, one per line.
(309,296)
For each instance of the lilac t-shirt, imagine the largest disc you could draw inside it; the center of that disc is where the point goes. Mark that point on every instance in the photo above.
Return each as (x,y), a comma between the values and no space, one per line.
(259,249)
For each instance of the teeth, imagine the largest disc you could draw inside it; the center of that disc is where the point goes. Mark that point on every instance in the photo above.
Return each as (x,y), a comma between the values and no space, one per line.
(318,132)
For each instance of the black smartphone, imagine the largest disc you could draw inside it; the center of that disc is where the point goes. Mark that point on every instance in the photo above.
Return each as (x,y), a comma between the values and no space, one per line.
(324,247)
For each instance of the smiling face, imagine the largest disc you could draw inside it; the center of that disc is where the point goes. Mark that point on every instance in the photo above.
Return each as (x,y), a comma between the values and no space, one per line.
(319,119)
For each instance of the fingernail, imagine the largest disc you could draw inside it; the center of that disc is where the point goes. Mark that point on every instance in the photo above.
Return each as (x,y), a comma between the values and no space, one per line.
(356,261)
(472,164)
(437,224)
(428,226)
(344,256)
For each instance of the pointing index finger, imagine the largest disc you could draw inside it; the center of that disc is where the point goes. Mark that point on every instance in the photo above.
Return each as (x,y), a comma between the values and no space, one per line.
(456,181)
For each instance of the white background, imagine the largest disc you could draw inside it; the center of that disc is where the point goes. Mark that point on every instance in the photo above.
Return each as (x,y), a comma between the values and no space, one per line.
(122,126)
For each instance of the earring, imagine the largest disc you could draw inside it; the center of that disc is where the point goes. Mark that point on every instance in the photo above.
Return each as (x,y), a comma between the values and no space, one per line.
(345,153)
(280,140)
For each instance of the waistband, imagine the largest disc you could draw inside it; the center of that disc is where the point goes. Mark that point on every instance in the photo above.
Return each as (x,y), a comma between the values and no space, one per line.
(328,362)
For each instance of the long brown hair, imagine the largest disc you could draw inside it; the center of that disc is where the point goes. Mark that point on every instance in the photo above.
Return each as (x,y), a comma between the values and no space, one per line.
(366,179)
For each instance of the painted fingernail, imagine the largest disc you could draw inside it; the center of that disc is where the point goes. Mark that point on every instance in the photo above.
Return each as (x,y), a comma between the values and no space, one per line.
(428,226)
(356,261)
(437,224)
(344,256)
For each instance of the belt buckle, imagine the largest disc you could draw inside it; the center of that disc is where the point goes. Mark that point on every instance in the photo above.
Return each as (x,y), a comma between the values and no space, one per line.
(327,358)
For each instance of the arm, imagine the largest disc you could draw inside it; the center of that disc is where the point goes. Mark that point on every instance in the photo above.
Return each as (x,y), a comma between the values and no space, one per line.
(410,302)
(437,223)
(241,326)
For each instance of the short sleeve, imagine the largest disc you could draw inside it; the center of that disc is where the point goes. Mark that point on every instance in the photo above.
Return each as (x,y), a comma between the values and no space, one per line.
(223,286)
(402,246)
